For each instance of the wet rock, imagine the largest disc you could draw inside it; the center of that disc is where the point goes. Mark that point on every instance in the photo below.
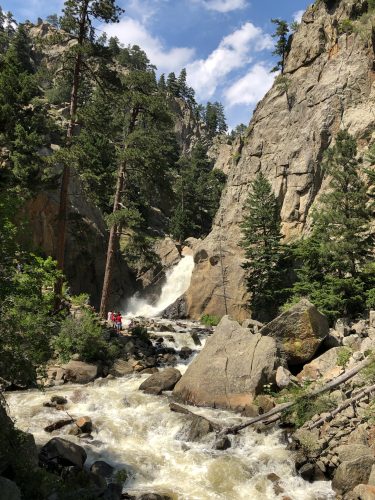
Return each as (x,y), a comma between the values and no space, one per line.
(275,479)
(351,473)
(231,369)
(265,403)
(185,352)
(364,492)
(162,381)
(112,492)
(59,400)
(222,443)
(152,496)
(58,425)
(84,424)
(199,428)
(9,490)
(149,370)
(178,408)
(194,335)
(250,411)
(311,472)
(60,452)
(120,368)
(101,468)
(167,328)
(80,372)
(177,310)
(300,331)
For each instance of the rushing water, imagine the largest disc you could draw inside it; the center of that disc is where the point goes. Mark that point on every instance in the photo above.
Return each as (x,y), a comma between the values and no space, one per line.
(139,433)
(177,282)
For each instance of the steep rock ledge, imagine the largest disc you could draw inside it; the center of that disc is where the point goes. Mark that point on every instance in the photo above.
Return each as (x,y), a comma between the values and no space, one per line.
(331,86)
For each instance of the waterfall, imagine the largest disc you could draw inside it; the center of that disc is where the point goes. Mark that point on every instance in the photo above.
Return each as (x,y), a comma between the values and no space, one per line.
(177,282)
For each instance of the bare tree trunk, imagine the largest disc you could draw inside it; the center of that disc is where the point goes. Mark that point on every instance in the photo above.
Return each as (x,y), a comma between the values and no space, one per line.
(285,406)
(115,229)
(63,207)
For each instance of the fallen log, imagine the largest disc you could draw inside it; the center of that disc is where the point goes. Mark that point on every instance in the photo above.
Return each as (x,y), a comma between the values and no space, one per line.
(279,409)
(342,407)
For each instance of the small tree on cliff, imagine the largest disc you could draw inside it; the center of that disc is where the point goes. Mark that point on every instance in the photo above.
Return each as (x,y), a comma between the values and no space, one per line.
(336,272)
(265,255)
(282,40)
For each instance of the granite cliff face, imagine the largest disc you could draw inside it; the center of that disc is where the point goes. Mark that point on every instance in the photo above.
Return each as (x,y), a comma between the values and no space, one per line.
(330,86)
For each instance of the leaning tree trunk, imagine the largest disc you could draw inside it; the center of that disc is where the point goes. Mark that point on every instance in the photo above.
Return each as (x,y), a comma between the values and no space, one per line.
(114,233)
(63,207)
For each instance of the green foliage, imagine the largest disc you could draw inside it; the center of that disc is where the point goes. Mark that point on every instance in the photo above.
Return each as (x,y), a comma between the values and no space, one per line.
(210,320)
(305,407)
(282,43)
(214,118)
(334,260)
(294,26)
(346,26)
(197,192)
(266,258)
(140,332)
(81,335)
(343,356)
(80,300)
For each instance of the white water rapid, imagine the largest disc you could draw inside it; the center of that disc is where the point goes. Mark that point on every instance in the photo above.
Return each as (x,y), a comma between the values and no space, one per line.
(177,282)
(138,432)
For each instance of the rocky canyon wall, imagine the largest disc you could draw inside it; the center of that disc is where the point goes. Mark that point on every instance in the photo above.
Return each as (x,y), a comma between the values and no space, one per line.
(330,86)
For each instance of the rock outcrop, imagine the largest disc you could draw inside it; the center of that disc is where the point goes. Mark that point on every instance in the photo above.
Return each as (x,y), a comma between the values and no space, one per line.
(330,86)
(231,369)
(299,331)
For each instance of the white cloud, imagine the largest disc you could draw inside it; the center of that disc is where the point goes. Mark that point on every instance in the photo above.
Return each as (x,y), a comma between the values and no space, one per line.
(224,5)
(249,89)
(133,32)
(233,52)
(297,16)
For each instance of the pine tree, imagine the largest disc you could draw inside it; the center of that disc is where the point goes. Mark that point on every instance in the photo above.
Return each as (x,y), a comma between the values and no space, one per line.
(266,257)
(161,84)
(215,119)
(172,85)
(334,272)
(77,19)
(182,85)
(282,42)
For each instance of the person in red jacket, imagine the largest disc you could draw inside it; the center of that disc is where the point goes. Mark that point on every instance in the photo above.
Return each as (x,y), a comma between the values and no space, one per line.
(118,321)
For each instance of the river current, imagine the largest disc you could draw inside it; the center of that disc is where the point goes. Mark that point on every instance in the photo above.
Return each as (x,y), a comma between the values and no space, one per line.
(139,433)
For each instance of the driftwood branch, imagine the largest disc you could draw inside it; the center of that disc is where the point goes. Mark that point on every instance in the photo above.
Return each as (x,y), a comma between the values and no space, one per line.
(279,409)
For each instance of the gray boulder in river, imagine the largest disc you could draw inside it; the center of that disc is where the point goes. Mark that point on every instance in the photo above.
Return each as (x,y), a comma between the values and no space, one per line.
(231,369)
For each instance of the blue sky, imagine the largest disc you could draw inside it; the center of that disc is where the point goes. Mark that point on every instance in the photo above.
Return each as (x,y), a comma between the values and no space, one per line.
(225,45)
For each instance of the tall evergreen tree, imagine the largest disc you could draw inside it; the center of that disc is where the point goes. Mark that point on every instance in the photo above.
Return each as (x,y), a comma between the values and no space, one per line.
(77,21)
(172,85)
(266,257)
(282,40)
(215,118)
(334,258)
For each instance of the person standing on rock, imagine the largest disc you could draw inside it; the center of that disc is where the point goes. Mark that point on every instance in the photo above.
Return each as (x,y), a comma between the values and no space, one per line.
(118,321)
(109,317)
(113,319)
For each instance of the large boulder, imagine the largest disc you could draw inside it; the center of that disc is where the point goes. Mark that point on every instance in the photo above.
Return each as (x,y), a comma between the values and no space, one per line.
(161,381)
(9,490)
(351,473)
(322,366)
(60,452)
(80,372)
(231,369)
(300,331)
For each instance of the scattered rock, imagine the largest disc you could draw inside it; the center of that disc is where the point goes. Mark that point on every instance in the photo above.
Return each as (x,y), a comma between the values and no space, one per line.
(265,403)
(275,479)
(101,468)
(320,366)
(300,330)
(251,411)
(283,377)
(351,473)
(199,428)
(195,337)
(231,369)
(9,490)
(222,443)
(162,381)
(84,424)
(80,372)
(60,452)
(348,452)
(364,492)
(59,400)
(178,408)
(120,368)
(185,352)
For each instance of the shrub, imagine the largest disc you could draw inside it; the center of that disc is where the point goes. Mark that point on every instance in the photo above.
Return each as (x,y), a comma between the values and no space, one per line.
(343,356)
(346,26)
(210,320)
(140,332)
(306,407)
(84,336)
